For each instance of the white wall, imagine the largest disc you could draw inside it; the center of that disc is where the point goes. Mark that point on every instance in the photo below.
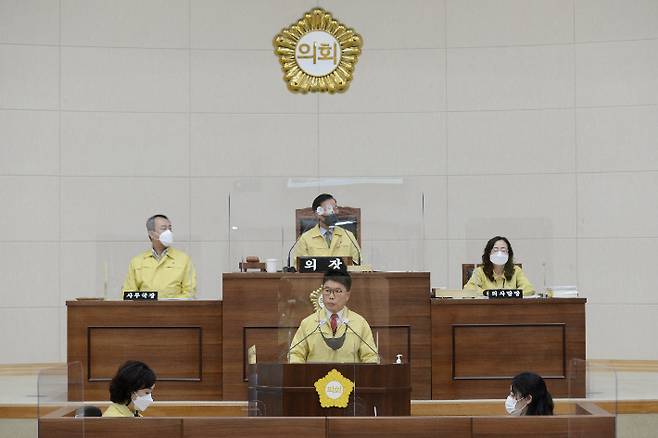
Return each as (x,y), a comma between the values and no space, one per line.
(112,111)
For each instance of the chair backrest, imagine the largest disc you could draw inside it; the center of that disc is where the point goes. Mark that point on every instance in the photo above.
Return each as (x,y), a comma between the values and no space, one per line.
(305,219)
(468,268)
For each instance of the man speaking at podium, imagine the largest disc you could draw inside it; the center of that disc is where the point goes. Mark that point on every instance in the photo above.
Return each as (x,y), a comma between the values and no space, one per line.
(334,333)
(163,269)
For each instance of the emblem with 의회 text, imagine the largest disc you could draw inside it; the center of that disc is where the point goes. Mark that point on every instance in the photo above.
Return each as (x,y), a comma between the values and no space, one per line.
(317,53)
(334,390)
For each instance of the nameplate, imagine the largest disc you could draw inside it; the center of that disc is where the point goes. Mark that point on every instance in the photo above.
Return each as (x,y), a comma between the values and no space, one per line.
(140,295)
(504,293)
(321,264)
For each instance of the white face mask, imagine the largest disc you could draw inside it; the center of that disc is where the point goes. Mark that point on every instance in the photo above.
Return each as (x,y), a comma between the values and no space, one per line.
(143,402)
(499,258)
(166,238)
(511,408)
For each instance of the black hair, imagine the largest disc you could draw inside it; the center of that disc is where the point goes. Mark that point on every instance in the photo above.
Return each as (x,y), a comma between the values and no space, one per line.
(320,199)
(88,411)
(131,377)
(341,277)
(487,266)
(150,222)
(526,384)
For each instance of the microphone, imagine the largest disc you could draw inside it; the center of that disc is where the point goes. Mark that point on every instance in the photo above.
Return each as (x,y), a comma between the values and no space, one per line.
(362,340)
(358,251)
(291,268)
(322,321)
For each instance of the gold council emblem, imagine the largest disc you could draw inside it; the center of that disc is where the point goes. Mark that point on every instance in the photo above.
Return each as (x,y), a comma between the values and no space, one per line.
(317,53)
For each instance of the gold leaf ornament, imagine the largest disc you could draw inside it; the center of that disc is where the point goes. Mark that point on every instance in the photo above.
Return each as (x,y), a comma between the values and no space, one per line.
(316,299)
(318,53)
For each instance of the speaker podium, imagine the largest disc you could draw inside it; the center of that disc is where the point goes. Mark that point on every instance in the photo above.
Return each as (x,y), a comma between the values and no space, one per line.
(288,389)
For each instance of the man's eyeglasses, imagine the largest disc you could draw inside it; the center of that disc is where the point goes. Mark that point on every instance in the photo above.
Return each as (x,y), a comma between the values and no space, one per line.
(327,291)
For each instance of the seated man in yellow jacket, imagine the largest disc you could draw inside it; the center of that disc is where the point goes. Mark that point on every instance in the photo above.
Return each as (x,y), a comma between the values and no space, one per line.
(334,333)
(162,268)
(327,239)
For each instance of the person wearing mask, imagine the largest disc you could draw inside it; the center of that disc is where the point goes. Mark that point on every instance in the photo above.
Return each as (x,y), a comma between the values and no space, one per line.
(529,396)
(130,390)
(164,269)
(498,270)
(334,333)
(326,238)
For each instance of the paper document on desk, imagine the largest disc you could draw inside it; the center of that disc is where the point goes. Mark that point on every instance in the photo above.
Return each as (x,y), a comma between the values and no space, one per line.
(564,292)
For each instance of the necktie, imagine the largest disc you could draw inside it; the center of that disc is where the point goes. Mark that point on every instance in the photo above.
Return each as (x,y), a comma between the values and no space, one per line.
(327,237)
(334,322)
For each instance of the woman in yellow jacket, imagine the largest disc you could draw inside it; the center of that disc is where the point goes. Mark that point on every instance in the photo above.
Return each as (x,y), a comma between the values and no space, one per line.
(130,390)
(498,270)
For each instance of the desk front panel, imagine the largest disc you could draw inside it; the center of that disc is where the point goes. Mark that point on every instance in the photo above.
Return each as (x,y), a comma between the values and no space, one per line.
(478,346)
(180,340)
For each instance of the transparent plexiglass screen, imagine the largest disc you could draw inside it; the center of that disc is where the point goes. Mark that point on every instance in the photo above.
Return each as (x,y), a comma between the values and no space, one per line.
(60,400)
(267,218)
(405,224)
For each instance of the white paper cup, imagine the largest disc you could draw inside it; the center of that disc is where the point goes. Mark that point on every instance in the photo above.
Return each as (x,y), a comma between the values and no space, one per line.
(271,265)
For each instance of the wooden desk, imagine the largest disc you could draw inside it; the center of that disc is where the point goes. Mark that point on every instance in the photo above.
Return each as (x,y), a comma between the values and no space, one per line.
(594,425)
(180,340)
(463,351)
(266,308)
(479,345)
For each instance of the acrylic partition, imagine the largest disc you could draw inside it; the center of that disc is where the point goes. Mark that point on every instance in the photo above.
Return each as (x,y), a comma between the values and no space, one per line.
(308,366)
(406,224)
(385,215)
(56,387)
(601,382)
(601,393)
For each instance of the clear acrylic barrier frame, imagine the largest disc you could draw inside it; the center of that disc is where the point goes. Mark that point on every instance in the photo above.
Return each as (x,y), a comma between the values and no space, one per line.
(57,386)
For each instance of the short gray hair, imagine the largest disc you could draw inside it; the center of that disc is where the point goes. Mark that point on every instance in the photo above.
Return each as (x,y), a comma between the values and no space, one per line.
(150,222)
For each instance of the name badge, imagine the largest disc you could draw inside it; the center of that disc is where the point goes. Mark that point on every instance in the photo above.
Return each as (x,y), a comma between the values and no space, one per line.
(321,264)
(140,295)
(504,293)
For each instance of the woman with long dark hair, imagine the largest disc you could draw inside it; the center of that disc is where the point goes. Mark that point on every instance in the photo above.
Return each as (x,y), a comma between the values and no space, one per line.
(498,270)
(529,396)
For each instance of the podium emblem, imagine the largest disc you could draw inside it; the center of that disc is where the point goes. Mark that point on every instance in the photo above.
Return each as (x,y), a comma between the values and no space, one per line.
(317,53)
(334,390)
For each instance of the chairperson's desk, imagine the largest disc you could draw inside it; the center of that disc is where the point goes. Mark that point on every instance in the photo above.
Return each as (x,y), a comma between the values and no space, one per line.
(180,340)
(479,345)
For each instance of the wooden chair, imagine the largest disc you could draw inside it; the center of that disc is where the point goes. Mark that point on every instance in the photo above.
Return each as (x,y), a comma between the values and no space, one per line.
(305,219)
(468,268)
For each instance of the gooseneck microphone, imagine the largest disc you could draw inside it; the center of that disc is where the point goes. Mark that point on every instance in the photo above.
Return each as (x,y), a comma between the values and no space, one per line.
(363,340)
(289,268)
(320,324)
(358,251)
